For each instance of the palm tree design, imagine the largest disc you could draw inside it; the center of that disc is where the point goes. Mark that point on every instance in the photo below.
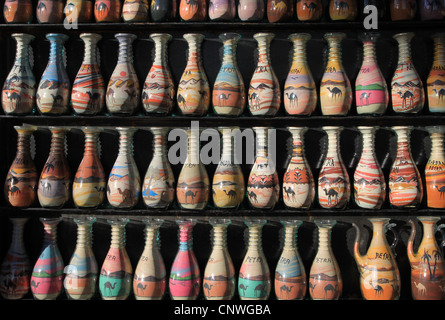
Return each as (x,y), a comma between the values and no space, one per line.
(426,257)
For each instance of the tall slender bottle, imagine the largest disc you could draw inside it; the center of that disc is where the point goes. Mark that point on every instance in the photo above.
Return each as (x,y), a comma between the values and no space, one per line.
(325,280)
(335,87)
(369,181)
(406,86)
(435,169)
(116,275)
(290,275)
(185,277)
(81,272)
(22,178)
(149,279)
(436,77)
(47,274)
(219,274)
(15,270)
(19,88)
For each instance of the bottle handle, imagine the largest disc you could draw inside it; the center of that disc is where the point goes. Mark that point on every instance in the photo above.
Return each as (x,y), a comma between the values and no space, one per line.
(390,227)
(442,232)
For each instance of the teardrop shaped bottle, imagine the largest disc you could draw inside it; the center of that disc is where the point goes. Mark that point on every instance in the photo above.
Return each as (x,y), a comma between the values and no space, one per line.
(15,270)
(335,87)
(436,77)
(222,10)
(325,280)
(122,95)
(435,169)
(53,91)
(334,188)
(54,189)
(124,184)
(47,274)
(369,181)
(149,279)
(405,182)
(280,10)
(264,90)
(309,10)
(19,88)
(135,11)
(254,281)
(219,275)
(290,275)
(185,277)
(406,86)
(89,181)
(251,10)
(107,10)
(371,91)
(343,10)
(192,190)
(81,272)
(116,274)
(403,10)
(163,10)
(22,178)
(228,186)
(158,189)
(192,10)
(50,11)
(78,11)
(263,186)
(300,92)
(298,181)
(18,11)
(193,96)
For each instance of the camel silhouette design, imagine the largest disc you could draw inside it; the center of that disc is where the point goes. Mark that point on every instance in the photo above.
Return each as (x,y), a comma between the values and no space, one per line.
(231,194)
(109,286)
(365,96)
(259,290)
(35,285)
(329,287)
(335,92)
(141,287)
(208,288)
(312,6)
(290,193)
(421,289)
(190,194)
(127,196)
(440,94)
(312,286)
(293,99)
(254,99)
(407,95)
(223,97)
(253,195)
(57,101)
(331,193)
(286,288)
(441,190)
(378,289)
(342,6)
(244,288)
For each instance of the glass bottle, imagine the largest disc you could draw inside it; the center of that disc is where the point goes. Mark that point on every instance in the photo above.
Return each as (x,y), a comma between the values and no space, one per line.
(18,11)
(78,11)
(228,186)
(254,281)
(405,182)
(325,280)
(219,275)
(192,10)
(50,11)
(309,10)
(264,90)
(222,10)
(47,274)
(159,90)
(335,88)
(192,190)
(124,186)
(333,181)
(15,270)
(298,181)
(89,182)
(116,275)
(122,96)
(158,189)
(379,274)
(369,181)
(54,189)
(280,10)
(88,94)
(436,76)
(135,11)
(263,186)
(343,10)
(193,94)
(19,88)
(149,279)
(107,10)
(185,277)
(300,92)
(403,9)
(435,169)
(53,91)
(371,91)
(229,94)
(427,264)
(290,275)
(406,86)
(22,178)
(251,10)
(81,272)
(430,10)
(163,10)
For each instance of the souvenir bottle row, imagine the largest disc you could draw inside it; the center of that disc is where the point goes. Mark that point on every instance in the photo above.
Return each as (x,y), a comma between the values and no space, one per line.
(82,11)
(55,187)
(379,274)
(89,95)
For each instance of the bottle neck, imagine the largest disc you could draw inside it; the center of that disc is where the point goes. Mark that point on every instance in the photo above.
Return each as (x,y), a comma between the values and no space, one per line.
(227,150)
(125,51)
(84,235)
(324,239)
(297,146)
(290,237)
(160,51)
(118,236)
(261,144)
(333,143)
(125,144)
(91,140)
(57,143)
(229,51)
(369,54)
(335,53)
(194,53)
(22,52)
(90,56)
(159,145)
(152,239)
(23,143)
(255,238)
(50,236)
(368,144)
(185,238)
(193,148)
(439,51)
(403,143)
(299,52)
(404,52)
(219,237)
(263,51)
(17,234)
(437,147)
(56,53)
(429,230)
